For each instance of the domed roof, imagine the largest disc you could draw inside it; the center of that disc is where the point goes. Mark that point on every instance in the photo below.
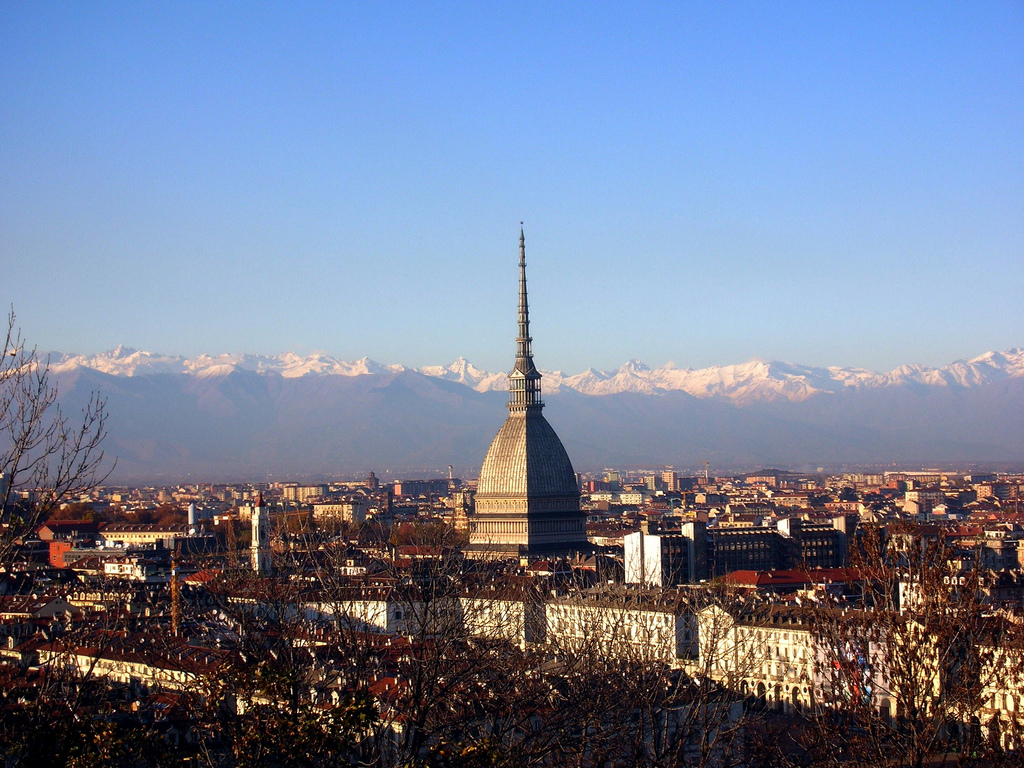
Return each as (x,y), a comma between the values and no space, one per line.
(526,458)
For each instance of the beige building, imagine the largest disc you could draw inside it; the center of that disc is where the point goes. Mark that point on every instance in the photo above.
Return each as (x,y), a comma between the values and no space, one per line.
(353,511)
(766,652)
(636,625)
(385,610)
(511,615)
(148,661)
(140,534)
(1002,711)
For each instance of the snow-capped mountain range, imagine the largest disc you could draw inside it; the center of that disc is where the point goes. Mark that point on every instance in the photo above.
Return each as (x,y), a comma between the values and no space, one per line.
(239,416)
(125,361)
(750,382)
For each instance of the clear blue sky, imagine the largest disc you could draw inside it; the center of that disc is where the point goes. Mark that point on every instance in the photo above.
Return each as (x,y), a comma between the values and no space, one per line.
(826,183)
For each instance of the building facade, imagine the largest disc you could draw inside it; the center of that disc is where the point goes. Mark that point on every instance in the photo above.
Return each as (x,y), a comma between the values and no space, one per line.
(659,560)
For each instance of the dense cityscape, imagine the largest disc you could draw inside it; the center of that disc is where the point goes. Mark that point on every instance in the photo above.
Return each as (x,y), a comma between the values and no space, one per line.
(735,479)
(150,598)
(532,616)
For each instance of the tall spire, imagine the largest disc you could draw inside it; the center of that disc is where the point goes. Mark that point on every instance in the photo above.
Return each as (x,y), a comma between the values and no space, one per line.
(524,381)
(523,349)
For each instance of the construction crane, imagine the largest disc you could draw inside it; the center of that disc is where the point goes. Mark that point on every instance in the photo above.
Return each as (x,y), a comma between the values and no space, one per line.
(175,592)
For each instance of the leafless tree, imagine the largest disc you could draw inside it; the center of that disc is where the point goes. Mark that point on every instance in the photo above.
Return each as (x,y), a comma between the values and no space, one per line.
(910,675)
(59,712)
(43,450)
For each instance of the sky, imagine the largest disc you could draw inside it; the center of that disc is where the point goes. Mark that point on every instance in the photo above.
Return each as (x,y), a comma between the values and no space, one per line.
(828,183)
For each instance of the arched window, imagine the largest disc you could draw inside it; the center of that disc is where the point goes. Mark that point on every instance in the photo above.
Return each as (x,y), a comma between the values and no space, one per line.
(884,709)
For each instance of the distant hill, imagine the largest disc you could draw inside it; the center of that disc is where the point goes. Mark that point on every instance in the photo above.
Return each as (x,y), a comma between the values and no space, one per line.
(243,416)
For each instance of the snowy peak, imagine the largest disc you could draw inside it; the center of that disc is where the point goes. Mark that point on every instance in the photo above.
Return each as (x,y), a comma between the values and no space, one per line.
(464,372)
(634,367)
(122,361)
(361,367)
(634,376)
(981,370)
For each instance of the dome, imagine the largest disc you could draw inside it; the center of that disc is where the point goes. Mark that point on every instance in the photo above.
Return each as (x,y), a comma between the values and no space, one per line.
(526,458)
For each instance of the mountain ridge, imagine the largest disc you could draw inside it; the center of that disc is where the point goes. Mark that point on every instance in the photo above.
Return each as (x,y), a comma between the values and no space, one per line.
(742,383)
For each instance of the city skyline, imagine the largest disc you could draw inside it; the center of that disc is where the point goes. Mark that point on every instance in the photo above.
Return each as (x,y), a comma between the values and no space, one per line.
(757,502)
(816,184)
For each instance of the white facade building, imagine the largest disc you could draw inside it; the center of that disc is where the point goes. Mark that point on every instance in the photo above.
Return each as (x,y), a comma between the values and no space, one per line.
(260,547)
